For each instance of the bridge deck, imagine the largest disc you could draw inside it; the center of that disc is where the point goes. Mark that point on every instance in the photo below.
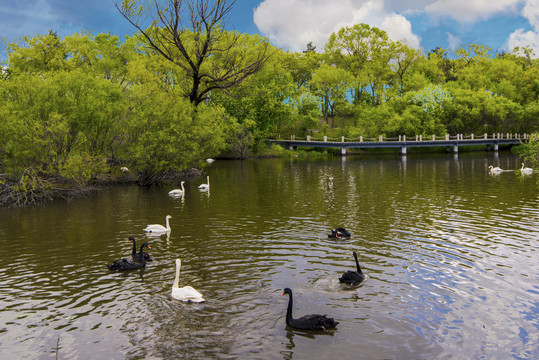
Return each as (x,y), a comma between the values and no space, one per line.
(395,144)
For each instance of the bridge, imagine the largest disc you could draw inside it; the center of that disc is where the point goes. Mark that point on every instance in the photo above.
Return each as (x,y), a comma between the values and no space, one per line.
(492,141)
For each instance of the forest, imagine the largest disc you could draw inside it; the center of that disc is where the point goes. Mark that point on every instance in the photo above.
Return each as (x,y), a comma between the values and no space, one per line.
(76,107)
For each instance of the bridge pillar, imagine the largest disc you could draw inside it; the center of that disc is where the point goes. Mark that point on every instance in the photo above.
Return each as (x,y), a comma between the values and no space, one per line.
(455,149)
(496,147)
(343,151)
(403,150)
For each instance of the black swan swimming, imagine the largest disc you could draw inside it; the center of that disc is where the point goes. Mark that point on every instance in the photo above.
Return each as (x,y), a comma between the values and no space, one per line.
(135,255)
(339,232)
(125,264)
(307,322)
(353,277)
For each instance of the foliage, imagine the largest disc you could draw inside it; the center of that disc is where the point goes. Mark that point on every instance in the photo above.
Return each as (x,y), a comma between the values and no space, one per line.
(73,108)
(530,151)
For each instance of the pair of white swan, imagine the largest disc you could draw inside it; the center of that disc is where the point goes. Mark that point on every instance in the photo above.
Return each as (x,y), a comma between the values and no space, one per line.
(158,228)
(523,170)
(178,192)
(186,293)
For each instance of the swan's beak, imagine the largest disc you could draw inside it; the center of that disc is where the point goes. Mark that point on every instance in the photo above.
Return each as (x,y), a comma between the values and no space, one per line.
(149,247)
(282,294)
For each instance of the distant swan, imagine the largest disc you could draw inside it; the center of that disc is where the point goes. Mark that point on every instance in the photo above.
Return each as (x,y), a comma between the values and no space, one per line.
(339,232)
(157,228)
(205,187)
(186,293)
(526,170)
(495,170)
(307,322)
(353,277)
(210,160)
(178,191)
(125,264)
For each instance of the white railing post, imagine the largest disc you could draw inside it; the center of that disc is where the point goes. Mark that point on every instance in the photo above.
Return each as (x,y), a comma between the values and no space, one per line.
(433,137)
(416,137)
(404,138)
(342,139)
(421,137)
(308,137)
(325,138)
(380,138)
(446,137)
(472,136)
(485,136)
(400,136)
(361,139)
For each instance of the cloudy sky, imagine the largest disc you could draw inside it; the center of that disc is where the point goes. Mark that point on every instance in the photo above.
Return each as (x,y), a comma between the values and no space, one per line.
(291,24)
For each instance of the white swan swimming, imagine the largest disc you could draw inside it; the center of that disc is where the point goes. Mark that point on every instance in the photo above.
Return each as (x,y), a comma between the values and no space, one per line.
(186,293)
(205,187)
(526,170)
(157,228)
(494,170)
(178,191)
(210,160)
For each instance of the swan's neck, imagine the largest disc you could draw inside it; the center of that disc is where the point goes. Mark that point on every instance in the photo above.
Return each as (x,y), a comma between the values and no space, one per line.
(357,265)
(134,248)
(522,166)
(208,180)
(181,184)
(289,309)
(167,224)
(142,260)
(177,278)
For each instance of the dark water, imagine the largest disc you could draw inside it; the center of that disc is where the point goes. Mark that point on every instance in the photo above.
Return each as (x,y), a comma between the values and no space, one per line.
(450,253)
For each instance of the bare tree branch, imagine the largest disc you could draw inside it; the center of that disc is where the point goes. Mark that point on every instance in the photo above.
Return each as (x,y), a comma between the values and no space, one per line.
(211,57)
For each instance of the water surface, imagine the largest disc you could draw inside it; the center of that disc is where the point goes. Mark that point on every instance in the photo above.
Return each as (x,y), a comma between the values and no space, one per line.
(450,254)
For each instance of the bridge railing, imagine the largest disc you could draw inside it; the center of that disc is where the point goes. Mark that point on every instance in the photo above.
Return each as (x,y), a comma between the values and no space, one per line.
(404,138)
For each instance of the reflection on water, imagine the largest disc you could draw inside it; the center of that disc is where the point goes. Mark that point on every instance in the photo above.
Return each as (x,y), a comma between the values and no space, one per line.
(449,252)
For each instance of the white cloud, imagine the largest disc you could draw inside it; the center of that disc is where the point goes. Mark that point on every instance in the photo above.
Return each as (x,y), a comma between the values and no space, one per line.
(522,38)
(453,41)
(471,10)
(531,12)
(398,28)
(294,23)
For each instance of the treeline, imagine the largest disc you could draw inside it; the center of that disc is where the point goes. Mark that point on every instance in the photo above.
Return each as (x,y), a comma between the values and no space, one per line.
(75,107)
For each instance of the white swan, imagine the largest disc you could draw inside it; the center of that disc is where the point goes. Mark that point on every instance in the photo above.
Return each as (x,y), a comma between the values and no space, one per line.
(210,160)
(186,293)
(526,170)
(205,187)
(157,228)
(178,191)
(495,170)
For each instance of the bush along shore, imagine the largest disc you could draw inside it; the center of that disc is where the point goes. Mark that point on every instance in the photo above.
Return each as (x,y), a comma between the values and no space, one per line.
(33,188)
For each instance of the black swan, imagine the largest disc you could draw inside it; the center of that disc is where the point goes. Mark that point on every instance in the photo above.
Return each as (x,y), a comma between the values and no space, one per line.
(135,255)
(125,264)
(307,322)
(353,277)
(339,232)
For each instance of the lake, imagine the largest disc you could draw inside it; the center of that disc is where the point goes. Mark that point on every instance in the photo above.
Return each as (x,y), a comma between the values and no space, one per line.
(450,255)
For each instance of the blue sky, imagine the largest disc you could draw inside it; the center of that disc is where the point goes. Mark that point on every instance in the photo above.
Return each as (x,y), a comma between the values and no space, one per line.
(291,24)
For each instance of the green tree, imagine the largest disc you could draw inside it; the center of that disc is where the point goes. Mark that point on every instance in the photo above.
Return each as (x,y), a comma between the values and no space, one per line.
(330,85)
